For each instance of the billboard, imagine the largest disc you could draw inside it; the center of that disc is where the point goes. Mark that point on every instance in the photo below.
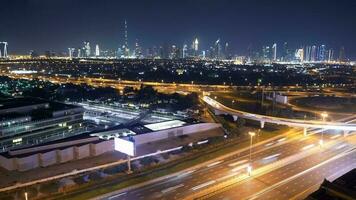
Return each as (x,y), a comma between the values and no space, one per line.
(124,146)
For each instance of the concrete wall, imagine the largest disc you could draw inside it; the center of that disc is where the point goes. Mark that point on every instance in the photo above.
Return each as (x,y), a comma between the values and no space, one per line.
(102,147)
(8,164)
(65,155)
(48,158)
(82,151)
(174,132)
(56,156)
(27,163)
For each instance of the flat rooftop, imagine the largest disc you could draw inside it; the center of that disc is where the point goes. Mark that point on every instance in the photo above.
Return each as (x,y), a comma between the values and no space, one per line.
(8,108)
(21,102)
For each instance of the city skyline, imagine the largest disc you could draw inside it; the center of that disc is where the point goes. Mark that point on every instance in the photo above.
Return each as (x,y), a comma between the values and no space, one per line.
(60,27)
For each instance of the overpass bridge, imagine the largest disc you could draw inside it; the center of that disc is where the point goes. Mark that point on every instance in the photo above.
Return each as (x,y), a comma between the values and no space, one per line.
(305,124)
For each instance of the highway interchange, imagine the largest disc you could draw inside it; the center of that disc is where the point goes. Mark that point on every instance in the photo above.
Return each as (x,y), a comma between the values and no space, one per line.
(300,157)
(288,167)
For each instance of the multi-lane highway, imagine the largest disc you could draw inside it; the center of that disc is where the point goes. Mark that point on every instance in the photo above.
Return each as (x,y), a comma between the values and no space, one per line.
(273,161)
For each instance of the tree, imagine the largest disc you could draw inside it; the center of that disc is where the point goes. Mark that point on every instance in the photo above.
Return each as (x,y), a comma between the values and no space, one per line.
(240,122)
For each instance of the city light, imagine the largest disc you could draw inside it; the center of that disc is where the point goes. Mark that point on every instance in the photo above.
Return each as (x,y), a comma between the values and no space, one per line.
(177,100)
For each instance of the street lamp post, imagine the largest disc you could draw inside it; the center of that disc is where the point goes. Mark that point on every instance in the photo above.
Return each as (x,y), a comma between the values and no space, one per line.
(324,115)
(249,168)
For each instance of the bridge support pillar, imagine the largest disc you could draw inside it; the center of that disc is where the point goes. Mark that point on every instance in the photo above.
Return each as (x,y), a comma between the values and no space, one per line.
(262,124)
(235,117)
(305,131)
(218,112)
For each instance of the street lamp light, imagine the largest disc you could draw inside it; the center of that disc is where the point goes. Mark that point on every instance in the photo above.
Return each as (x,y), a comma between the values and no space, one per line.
(324,115)
(249,168)
(26,196)
(252,134)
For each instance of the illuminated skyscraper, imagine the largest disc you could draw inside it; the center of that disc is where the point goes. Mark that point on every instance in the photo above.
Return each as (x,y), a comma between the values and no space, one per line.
(285,52)
(308,52)
(299,54)
(322,53)
(313,53)
(184,51)
(266,52)
(71,52)
(331,55)
(196,44)
(217,49)
(4,52)
(138,50)
(86,49)
(79,53)
(227,51)
(126,45)
(97,51)
(274,52)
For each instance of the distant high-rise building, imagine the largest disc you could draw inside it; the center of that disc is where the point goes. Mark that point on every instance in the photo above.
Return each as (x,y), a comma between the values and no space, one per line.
(119,53)
(4,52)
(307,53)
(313,54)
(86,49)
(331,55)
(322,53)
(227,51)
(285,52)
(174,54)
(71,52)
(342,57)
(217,49)
(97,51)
(184,51)
(266,52)
(138,50)
(195,47)
(126,43)
(299,55)
(274,52)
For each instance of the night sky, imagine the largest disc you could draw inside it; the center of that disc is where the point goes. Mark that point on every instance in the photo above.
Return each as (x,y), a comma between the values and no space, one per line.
(58,24)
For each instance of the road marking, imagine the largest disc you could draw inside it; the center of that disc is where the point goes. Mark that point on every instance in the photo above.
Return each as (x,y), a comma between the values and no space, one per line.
(185,173)
(276,185)
(269,144)
(237,163)
(341,146)
(282,139)
(203,185)
(214,163)
(308,146)
(271,156)
(335,136)
(240,167)
(117,195)
(172,188)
